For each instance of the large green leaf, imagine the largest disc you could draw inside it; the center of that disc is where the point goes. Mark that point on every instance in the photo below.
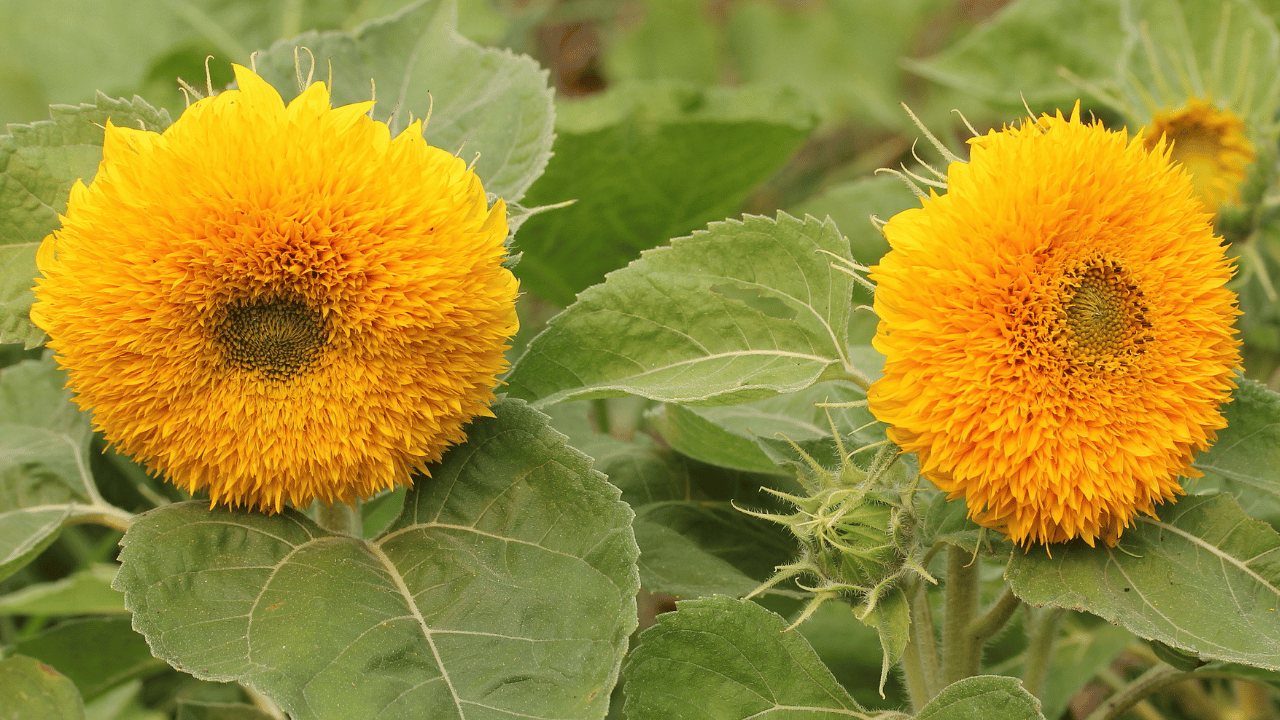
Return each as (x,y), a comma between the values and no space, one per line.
(695,549)
(505,588)
(751,435)
(97,654)
(1017,54)
(740,311)
(44,465)
(724,659)
(1204,578)
(31,690)
(646,163)
(851,206)
(988,697)
(1247,451)
(38,165)
(480,100)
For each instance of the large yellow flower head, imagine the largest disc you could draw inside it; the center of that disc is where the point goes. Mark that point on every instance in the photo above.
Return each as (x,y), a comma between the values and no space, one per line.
(1058,336)
(1211,145)
(279,303)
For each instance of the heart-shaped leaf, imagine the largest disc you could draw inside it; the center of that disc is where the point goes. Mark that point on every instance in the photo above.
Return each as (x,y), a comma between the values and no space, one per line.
(505,588)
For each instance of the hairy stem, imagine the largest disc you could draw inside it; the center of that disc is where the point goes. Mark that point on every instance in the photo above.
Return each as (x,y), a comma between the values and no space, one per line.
(920,659)
(1140,687)
(960,658)
(1044,632)
(340,518)
(983,628)
(111,516)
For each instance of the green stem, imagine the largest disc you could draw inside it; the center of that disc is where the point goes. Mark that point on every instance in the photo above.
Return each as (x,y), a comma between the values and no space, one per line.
(960,659)
(600,411)
(340,518)
(1141,686)
(920,658)
(1044,632)
(982,629)
(264,703)
(109,515)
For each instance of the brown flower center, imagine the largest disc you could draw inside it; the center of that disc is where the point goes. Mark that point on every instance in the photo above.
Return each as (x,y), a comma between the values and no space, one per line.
(1103,316)
(275,337)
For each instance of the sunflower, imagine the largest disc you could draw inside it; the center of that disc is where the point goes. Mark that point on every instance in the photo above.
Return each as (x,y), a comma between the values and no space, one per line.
(279,303)
(1211,144)
(1058,336)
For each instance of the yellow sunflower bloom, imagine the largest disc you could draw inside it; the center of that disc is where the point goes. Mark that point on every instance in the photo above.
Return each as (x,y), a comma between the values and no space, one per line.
(279,303)
(1058,336)
(1211,145)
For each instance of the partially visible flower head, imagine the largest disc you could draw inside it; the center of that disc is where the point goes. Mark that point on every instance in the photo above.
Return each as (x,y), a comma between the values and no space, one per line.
(1211,144)
(279,303)
(1057,333)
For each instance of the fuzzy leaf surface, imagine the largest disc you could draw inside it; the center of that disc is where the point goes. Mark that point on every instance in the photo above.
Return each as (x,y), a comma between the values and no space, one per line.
(1247,451)
(725,659)
(1204,578)
(989,697)
(480,100)
(647,163)
(38,165)
(506,588)
(740,311)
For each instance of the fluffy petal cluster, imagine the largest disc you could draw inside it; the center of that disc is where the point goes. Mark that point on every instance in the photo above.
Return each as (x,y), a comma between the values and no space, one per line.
(1058,334)
(279,303)
(1211,145)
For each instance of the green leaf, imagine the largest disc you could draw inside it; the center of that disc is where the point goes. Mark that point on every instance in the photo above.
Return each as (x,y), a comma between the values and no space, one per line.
(87,592)
(676,41)
(508,582)
(38,165)
(479,100)
(44,464)
(1017,54)
(740,311)
(31,690)
(724,659)
(1078,656)
(1204,578)
(842,53)
(852,651)
(646,163)
(754,435)
(891,618)
(220,711)
(696,549)
(1248,449)
(117,655)
(642,470)
(851,206)
(988,697)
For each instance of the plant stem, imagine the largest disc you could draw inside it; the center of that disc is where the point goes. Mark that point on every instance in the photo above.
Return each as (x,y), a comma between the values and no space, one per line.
(340,518)
(600,411)
(1143,708)
(1044,632)
(983,628)
(920,658)
(960,658)
(109,515)
(1141,686)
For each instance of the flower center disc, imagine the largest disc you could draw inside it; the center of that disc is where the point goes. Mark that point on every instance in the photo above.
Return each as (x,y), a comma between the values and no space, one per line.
(278,338)
(1103,313)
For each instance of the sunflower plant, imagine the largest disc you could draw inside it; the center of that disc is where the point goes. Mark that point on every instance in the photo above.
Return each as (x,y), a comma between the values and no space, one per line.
(377,374)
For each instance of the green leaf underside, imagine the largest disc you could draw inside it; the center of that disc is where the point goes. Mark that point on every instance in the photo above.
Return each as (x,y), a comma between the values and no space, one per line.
(647,163)
(44,469)
(741,311)
(38,165)
(724,659)
(1017,53)
(988,697)
(31,690)
(506,588)
(480,100)
(1204,577)
(697,549)
(125,654)
(751,435)
(87,592)
(1248,449)
(891,618)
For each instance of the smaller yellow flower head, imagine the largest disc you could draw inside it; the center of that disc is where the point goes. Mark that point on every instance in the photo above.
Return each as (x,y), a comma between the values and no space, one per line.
(1211,145)
(278,303)
(1057,331)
